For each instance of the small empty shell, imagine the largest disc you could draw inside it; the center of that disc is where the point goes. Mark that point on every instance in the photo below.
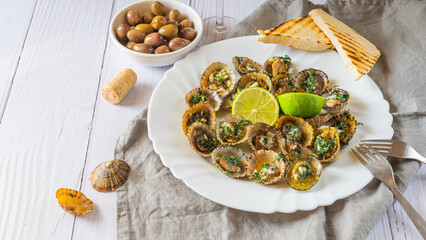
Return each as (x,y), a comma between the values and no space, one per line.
(265,167)
(230,161)
(303,172)
(109,175)
(199,95)
(74,202)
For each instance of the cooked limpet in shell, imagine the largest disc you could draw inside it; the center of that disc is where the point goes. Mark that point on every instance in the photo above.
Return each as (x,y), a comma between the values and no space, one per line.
(345,125)
(255,80)
(201,112)
(303,172)
(281,85)
(202,139)
(312,80)
(326,145)
(335,100)
(264,136)
(218,77)
(275,66)
(319,120)
(294,149)
(110,175)
(230,161)
(245,65)
(295,129)
(233,129)
(73,201)
(265,167)
(199,95)
(227,101)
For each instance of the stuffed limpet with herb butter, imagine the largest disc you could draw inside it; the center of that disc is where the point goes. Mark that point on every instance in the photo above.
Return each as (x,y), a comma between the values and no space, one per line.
(201,112)
(264,136)
(312,80)
(230,161)
(326,145)
(199,95)
(335,100)
(245,65)
(265,167)
(295,129)
(202,139)
(345,125)
(233,129)
(303,172)
(276,66)
(218,77)
(255,80)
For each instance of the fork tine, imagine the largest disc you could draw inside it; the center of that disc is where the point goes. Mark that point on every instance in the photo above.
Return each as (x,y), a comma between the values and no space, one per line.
(385,150)
(378,141)
(358,156)
(372,150)
(363,154)
(378,145)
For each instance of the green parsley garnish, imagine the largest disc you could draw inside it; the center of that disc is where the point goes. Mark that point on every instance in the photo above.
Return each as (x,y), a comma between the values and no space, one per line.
(198,117)
(322,146)
(198,97)
(304,171)
(341,125)
(232,161)
(206,141)
(310,82)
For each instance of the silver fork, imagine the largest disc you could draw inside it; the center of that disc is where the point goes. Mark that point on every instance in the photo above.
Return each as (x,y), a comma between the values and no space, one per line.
(394,148)
(382,170)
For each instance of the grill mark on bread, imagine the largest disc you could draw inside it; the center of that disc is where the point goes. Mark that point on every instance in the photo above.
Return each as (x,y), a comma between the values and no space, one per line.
(288,26)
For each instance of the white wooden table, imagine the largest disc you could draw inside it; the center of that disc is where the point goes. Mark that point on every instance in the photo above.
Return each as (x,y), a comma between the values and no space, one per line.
(55,127)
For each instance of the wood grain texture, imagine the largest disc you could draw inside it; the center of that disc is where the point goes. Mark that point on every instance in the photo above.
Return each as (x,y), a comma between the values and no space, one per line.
(47,120)
(56,127)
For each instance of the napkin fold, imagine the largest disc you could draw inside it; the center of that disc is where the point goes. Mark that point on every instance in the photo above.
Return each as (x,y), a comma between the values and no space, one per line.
(153,204)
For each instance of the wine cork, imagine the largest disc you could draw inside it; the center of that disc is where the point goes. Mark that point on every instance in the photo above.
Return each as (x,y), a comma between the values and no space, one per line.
(117,88)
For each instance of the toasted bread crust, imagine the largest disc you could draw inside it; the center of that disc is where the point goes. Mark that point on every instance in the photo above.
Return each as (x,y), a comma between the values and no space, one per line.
(358,53)
(299,33)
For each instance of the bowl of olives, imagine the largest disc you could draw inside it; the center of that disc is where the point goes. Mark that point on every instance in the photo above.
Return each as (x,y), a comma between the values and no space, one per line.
(156,33)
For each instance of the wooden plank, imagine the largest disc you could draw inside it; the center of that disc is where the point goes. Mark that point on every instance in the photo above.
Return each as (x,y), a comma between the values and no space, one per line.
(47,121)
(14,30)
(381,230)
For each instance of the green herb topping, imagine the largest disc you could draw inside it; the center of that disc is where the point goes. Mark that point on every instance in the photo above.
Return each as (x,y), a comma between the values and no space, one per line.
(310,82)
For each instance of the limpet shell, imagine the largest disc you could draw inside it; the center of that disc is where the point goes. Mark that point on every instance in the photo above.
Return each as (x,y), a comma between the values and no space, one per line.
(306,130)
(232,121)
(255,164)
(73,201)
(257,134)
(303,172)
(255,80)
(219,152)
(335,106)
(205,108)
(198,129)
(302,77)
(223,88)
(278,66)
(331,135)
(245,65)
(211,97)
(345,125)
(318,120)
(109,175)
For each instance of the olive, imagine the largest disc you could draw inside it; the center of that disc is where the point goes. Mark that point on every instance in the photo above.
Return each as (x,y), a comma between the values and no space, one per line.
(173,22)
(121,32)
(178,43)
(162,49)
(169,31)
(147,17)
(136,36)
(158,22)
(188,33)
(143,48)
(185,23)
(174,14)
(146,28)
(155,40)
(133,17)
(130,45)
(158,9)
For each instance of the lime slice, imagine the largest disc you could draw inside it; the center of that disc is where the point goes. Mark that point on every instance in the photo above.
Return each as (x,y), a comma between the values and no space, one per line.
(256,105)
(302,105)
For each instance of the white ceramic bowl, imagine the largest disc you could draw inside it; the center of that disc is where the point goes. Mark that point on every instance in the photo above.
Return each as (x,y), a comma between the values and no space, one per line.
(164,58)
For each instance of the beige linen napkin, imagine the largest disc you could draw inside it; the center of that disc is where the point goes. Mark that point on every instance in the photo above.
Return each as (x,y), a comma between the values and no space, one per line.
(153,204)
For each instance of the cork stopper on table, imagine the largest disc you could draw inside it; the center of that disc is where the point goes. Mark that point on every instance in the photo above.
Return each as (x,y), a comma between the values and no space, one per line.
(117,88)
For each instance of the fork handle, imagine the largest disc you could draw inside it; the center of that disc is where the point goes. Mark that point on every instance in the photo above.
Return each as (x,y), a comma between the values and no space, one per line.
(415,217)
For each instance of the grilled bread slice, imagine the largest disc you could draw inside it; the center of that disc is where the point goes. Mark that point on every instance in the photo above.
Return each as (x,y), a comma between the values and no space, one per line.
(358,53)
(299,33)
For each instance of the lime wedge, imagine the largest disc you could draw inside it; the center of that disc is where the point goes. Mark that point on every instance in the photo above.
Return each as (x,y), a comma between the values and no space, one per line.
(302,105)
(256,105)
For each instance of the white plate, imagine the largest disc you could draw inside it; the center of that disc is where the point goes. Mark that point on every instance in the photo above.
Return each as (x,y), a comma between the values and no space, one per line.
(338,180)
